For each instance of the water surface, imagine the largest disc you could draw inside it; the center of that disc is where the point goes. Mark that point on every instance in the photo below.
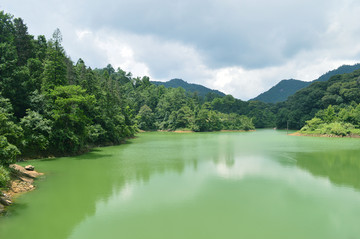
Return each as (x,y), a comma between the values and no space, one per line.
(262,184)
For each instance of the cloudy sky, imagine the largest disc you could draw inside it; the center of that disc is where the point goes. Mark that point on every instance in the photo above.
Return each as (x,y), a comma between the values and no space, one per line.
(241,47)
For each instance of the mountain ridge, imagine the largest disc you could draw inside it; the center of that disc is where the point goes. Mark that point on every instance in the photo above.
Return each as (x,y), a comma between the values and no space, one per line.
(285,88)
(190,87)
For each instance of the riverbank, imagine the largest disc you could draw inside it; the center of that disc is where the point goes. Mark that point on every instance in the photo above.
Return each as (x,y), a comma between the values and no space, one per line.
(298,133)
(22,180)
(191,131)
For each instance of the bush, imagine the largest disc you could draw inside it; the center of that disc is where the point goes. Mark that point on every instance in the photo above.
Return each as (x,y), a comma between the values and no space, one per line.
(4,177)
(337,128)
(312,124)
(8,152)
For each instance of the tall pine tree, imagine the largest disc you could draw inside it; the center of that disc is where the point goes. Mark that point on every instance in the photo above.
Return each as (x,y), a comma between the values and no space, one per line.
(55,65)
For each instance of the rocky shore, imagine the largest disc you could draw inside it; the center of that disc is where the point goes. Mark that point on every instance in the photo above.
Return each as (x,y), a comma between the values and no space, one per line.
(22,181)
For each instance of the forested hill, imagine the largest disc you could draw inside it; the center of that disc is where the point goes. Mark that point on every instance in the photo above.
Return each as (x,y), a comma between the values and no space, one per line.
(339,91)
(285,88)
(201,90)
(50,105)
(339,71)
(281,91)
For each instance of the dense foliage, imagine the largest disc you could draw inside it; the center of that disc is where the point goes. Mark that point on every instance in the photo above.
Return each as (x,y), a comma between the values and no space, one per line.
(335,121)
(50,105)
(341,90)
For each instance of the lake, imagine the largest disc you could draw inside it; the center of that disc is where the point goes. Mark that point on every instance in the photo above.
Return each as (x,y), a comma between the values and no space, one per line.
(262,184)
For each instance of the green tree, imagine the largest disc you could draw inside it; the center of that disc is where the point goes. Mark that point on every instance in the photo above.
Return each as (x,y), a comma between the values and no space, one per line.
(6,27)
(37,131)
(70,105)
(327,115)
(55,66)
(23,42)
(145,118)
(10,134)
(184,117)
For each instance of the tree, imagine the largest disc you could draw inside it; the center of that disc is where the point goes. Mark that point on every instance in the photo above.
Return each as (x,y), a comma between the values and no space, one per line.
(6,27)
(37,131)
(172,100)
(70,105)
(8,61)
(327,115)
(40,48)
(185,117)
(10,134)
(55,66)
(23,42)
(145,118)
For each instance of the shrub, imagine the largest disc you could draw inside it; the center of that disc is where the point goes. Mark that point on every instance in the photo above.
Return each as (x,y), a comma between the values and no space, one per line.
(312,124)
(337,128)
(4,177)
(8,152)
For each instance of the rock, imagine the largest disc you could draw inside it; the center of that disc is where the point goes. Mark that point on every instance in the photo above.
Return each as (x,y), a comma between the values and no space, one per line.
(20,186)
(23,171)
(21,182)
(5,201)
(29,167)
(2,208)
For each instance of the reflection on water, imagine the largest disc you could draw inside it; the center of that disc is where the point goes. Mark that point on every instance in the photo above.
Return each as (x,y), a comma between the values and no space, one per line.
(206,185)
(341,167)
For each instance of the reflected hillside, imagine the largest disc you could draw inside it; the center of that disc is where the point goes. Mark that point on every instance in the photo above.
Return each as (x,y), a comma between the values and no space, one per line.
(73,186)
(166,182)
(340,167)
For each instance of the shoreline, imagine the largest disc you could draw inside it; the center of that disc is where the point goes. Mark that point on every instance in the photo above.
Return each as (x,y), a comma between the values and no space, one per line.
(191,131)
(22,181)
(325,135)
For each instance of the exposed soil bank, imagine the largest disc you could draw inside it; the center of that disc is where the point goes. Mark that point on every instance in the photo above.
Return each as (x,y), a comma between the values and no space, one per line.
(223,130)
(184,131)
(22,181)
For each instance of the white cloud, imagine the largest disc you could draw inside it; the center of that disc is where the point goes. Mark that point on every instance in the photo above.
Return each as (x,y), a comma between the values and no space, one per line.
(240,47)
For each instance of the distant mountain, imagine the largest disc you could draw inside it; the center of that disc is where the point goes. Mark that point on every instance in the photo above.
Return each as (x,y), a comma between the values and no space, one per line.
(344,69)
(281,91)
(285,88)
(201,90)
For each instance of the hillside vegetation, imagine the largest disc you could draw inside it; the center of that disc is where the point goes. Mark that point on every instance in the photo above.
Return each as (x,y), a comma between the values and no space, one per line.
(50,105)
(281,91)
(285,88)
(200,90)
(335,121)
(341,91)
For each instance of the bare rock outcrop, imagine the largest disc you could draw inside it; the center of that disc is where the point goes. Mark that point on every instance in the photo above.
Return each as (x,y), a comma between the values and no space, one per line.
(22,182)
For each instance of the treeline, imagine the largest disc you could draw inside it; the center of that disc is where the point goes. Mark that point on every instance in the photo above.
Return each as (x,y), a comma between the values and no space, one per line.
(50,105)
(341,92)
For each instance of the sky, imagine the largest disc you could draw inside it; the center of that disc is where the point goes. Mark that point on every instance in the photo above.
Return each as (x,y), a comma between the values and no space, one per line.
(240,47)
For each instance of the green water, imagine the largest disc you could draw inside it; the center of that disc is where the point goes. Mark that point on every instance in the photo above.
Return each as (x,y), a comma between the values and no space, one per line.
(261,184)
